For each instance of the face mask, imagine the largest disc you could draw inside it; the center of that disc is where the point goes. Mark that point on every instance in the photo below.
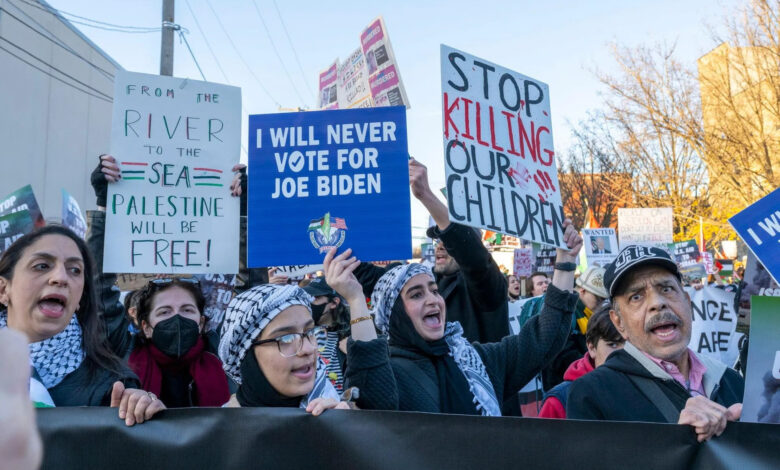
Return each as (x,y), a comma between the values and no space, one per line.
(317,311)
(176,335)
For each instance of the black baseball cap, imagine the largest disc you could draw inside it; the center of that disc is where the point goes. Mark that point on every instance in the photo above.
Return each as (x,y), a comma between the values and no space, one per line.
(318,287)
(630,258)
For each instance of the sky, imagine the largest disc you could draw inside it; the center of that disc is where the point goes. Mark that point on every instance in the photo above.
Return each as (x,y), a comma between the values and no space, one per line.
(556,42)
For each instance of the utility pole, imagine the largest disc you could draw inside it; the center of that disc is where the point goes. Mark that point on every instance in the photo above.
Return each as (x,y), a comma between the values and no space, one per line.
(166,43)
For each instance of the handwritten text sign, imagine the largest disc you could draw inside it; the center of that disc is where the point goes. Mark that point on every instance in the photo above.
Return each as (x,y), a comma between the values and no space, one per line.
(645,226)
(175,141)
(498,150)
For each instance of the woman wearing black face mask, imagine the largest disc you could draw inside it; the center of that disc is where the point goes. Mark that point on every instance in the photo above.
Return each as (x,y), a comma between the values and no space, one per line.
(170,355)
(328,310)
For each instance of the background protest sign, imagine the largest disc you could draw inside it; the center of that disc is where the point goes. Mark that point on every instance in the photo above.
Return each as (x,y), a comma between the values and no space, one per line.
(384,79)
(23,199)
(523,262)
(428,254)
(645,226)
(329,87)
(13,226)
(759,227)
(685,253)
(544,259)
(353,88)
(498,150)
(328,178)
(218,291)
(72,216)
(693,272)
(713,331)
(176,141)
(762,383)
(600,245)
(709,263)
(297,272)
(756,281)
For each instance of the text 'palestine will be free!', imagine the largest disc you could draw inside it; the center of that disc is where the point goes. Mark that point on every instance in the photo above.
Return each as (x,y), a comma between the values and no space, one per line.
(355,155)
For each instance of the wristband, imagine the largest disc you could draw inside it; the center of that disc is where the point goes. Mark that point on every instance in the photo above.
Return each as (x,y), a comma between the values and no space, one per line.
(569,266)
(360,319)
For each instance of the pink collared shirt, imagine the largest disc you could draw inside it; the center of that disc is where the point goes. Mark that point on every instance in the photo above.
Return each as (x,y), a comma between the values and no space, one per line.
(694,384)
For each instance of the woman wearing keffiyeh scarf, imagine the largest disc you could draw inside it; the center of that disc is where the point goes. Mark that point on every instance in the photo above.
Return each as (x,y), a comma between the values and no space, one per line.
(424,363)
(269,348)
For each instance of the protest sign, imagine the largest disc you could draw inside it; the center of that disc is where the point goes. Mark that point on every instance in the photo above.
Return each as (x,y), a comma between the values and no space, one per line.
(693,273)
(600,246)
(384,79)
(685,253)
(645,226)
(498,150)
(428,252)
(759,227)
(218,291)
(329,87)
(13,226)
(544,259)
(72,216)
(713,331)
(327,179)
(175,141)
(353,87)
(521,310)
(297,272)
(523,262)
(761,403)
(756,281)
(709,263)
(23,199)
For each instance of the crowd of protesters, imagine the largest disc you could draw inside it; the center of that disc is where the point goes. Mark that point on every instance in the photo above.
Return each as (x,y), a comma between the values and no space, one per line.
(611,344)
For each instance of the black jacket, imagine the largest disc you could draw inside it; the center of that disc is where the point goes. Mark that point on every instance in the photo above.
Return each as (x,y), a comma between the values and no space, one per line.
(401,380)
(475,295)
(608,394)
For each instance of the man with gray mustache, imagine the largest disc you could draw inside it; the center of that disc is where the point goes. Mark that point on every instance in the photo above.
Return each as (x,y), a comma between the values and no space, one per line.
(656,377)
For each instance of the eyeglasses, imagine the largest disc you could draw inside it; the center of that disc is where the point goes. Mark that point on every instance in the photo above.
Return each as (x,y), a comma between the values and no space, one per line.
(290,344)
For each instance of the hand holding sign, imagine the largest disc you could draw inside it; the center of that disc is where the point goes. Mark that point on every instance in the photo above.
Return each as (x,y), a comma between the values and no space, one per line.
(339,274)
(573,241)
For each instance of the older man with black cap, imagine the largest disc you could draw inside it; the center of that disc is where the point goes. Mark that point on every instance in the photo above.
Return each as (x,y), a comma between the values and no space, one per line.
(473,287)
(656,377)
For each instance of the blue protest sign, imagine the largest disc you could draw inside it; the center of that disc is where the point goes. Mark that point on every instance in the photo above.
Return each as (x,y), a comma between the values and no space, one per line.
(328,178)
(759,227)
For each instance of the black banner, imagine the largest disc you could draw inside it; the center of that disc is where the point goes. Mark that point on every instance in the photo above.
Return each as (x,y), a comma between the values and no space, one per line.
(283,438)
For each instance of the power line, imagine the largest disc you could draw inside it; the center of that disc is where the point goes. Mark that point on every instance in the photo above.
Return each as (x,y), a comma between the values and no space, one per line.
(276,51)
(205,39)
(54,39)
(295,53)
(55,68)
(246,64)
(55,78)
(51,9)
(181,35)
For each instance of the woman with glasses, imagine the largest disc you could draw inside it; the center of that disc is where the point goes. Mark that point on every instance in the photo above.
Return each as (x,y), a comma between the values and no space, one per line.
(170,353)
(47,287)
(269,347)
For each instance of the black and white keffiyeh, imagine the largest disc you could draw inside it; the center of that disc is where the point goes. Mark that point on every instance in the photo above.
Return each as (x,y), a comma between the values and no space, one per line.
(466,358)
(55,357)
(246,317)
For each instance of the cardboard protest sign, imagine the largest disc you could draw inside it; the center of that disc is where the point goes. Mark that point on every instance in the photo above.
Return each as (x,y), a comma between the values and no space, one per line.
(685,253)
(387,88)
(713,331)
(498,150)
(645,226)
(693,272)
(23,199)
(756,281)
(428,251)
(72,216)
(218,291)
(14,226)
(176,141)
(759,227)
(523,262)
(297,272)
(353,87)
(328,98)
(327,179)
(600,246)
(761,402)
(544,259)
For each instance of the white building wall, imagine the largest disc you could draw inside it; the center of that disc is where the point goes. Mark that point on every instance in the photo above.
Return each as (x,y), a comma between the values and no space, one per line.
(50,132)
